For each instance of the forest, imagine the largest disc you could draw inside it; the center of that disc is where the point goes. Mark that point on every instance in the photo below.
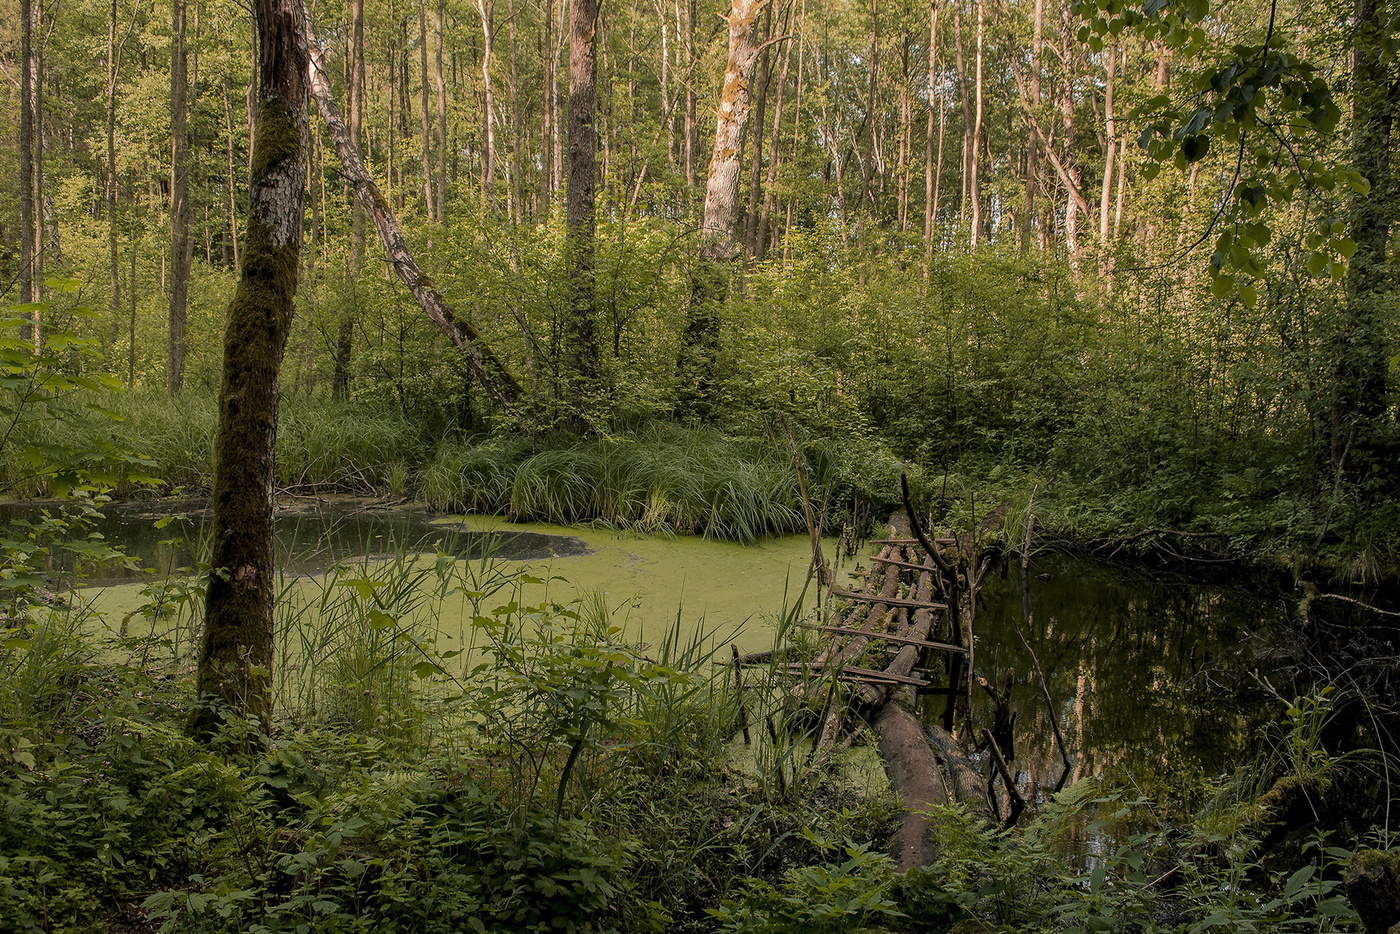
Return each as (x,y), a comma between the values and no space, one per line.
(757,466)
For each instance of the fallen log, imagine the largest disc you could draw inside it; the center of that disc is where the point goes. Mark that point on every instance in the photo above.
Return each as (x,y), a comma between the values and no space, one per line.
(864,673)
(888,637)
(916,779)
(888,601)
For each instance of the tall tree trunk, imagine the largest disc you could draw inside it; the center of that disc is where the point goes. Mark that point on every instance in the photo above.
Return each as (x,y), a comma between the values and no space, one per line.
(232,183)
(486,9)
(871,121)
(719,245)
(488,369)
(965,100)
(974,165)
(688,47)
(756,164)
(114,285)
(345,328)
(26,154)
(181,245)
(547,121)
(1359,379)
(235,661)
(906,133)
(932,162)
(1110,146)
(425,115)
(1033,163)
(774,153)
(580,337)
(1067,169)
(40,201)
(131,313)
(440,85)
(517,124)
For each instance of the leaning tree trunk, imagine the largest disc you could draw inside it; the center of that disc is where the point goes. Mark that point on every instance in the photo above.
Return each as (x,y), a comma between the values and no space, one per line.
(581,341)
(235,662)
(485,366)
(719,245)
(345,328)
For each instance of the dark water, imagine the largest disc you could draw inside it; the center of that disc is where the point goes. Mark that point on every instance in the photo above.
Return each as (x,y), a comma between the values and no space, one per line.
(166,539)
(1158,679)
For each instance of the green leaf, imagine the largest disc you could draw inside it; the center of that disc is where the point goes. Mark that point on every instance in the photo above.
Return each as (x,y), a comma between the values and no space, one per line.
(1294,886)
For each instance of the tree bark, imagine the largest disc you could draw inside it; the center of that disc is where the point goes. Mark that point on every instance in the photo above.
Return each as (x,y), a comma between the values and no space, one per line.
(440,85)
(1110,147)
(580,339)
(719,245)
(933,161)
(688,123)
(26,153)
(486,366)
(486,9)
(114,285)
(425,115)
(751,231)
(975,162)
(235,663)
(345,328)
(181,245)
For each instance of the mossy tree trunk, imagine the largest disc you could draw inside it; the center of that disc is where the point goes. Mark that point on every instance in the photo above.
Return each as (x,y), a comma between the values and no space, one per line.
(581,339)
(235,662)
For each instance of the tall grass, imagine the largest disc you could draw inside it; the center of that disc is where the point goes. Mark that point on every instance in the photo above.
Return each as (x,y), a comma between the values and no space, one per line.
(666,478)
(321,445)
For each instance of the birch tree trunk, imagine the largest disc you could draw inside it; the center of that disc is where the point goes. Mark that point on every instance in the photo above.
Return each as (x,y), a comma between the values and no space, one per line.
(486,9)
(485,365)
(1110,146)
(235,663)
(719,245)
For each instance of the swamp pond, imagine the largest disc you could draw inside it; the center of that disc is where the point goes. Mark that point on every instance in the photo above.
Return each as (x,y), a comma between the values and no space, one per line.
(1157,677)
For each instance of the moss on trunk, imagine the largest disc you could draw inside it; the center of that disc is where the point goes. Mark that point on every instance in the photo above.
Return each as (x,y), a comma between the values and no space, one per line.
(235,663)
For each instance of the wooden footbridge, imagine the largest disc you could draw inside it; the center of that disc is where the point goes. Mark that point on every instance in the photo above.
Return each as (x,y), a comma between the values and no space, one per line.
(898,656)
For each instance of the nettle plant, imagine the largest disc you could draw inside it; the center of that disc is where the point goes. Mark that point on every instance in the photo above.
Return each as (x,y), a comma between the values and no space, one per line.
(1267,113)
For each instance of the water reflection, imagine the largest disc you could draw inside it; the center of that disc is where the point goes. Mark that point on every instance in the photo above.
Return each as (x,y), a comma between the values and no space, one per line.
(1152,676)
(165,538)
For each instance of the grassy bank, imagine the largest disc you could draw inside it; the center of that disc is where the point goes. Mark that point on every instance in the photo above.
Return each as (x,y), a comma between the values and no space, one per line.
(655,478)
(1220,503)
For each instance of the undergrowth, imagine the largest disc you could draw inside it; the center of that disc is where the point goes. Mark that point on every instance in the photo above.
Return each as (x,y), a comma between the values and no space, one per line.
(547,774)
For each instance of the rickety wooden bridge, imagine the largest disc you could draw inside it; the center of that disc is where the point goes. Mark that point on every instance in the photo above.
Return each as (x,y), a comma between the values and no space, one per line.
(901,646)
